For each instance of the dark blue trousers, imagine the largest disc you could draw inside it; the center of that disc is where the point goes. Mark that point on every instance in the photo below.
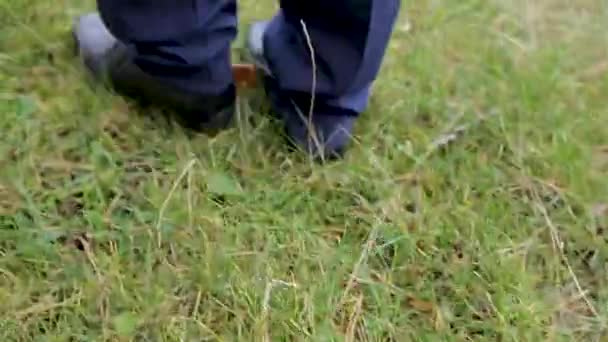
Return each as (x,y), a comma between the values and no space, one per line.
(187,42)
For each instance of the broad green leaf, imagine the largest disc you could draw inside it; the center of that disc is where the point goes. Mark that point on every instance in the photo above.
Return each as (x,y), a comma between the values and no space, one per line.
(26,106)
(125,324)
(222,184)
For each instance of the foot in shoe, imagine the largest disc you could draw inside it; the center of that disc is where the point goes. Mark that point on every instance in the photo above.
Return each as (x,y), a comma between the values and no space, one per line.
(326,133)
(109,59)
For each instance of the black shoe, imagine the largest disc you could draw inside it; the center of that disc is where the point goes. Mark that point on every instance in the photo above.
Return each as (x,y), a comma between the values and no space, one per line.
(326,133)
(110,60)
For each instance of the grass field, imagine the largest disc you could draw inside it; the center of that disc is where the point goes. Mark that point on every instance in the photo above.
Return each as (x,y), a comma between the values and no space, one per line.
(473,205)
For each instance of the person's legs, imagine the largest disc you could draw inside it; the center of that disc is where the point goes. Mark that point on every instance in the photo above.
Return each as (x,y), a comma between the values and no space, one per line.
(349,39)
(167,52)
(178,53)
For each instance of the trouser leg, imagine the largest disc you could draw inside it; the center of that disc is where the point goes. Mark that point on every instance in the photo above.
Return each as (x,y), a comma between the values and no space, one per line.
(185,43)
(349,39)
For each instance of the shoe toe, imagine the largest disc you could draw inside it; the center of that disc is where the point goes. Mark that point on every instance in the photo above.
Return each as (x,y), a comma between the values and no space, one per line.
(324,136)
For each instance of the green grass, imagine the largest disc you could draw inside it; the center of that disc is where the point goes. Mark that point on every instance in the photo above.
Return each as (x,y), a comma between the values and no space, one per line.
(114,226)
